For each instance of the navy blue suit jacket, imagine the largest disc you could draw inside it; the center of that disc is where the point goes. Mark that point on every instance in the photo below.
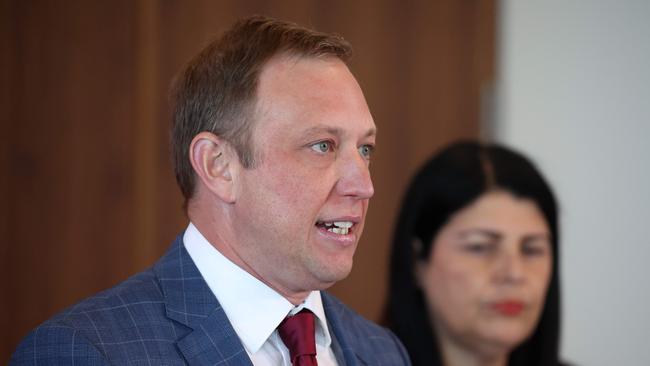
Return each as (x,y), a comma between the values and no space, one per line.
(168,315)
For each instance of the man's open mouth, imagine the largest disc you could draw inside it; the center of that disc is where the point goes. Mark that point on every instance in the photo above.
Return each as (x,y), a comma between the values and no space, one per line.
(336,227)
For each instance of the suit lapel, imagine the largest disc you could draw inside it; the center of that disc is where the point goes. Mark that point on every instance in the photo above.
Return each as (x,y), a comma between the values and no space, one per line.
(210,338)
(347,347)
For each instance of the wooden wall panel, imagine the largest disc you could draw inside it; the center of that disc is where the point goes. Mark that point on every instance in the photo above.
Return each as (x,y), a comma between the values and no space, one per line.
(70,145)
(87,188)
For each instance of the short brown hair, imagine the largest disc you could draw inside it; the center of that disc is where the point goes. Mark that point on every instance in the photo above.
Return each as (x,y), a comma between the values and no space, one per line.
(216,90)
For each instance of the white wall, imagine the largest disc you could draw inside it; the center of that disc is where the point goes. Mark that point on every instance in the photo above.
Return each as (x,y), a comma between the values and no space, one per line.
(573,92)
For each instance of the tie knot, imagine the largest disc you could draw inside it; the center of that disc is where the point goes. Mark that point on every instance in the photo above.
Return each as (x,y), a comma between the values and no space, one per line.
(297,333)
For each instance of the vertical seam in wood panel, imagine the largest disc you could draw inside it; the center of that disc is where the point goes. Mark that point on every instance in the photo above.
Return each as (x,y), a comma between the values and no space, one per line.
(146,118)
(487,36)
(486,73)
(6,107)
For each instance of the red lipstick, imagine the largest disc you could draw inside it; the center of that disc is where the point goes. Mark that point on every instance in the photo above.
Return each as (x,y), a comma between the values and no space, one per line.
(509,307)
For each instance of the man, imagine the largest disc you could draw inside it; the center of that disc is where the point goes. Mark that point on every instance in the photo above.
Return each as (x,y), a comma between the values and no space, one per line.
(272,139)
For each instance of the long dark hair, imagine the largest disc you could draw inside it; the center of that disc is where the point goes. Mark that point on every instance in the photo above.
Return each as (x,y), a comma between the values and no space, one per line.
(450,181)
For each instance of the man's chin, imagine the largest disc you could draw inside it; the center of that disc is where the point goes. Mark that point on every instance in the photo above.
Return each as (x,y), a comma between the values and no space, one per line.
(329,275)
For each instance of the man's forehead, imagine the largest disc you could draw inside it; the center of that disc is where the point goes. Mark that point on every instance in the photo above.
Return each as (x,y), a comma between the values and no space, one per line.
(312,95)
(299,70)
(287,60)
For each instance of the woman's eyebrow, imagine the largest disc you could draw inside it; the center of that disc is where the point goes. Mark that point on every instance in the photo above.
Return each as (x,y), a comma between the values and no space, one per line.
(537,236)
(483,232)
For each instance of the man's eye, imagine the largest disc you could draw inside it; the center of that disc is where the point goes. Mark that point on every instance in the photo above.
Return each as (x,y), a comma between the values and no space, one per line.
(366,151)
(322,146)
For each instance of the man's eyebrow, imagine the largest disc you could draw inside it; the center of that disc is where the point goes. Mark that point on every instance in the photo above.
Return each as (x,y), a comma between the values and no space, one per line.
(319,129)
(335,131)
(371,132)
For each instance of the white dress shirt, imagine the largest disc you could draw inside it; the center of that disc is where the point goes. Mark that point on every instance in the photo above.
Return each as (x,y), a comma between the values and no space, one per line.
(254,309)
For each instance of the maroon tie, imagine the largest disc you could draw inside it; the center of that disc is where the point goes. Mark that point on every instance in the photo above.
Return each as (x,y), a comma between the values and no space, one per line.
(297,333)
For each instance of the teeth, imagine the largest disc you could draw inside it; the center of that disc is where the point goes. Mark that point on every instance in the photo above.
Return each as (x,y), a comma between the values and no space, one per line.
(338,227)
(340,231)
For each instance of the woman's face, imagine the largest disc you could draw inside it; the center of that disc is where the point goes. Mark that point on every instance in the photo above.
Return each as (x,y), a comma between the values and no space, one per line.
(486,278)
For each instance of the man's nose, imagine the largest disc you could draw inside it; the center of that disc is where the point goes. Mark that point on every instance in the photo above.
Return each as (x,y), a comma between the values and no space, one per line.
(354,177)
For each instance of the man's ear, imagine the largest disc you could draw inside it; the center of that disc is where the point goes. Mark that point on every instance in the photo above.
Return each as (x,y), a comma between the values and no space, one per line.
(213,160)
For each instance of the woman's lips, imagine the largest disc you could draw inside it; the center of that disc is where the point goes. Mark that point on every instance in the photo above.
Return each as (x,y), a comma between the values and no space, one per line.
(508,307)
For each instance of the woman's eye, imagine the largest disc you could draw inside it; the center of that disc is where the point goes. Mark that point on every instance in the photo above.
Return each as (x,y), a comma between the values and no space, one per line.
(366,151)
(533,250)
(478,248)
(322,146)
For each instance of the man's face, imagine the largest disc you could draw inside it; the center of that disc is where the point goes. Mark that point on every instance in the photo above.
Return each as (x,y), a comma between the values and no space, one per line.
(300,211)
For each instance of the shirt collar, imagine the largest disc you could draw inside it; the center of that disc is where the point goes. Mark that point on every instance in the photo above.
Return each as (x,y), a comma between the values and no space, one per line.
(242,296)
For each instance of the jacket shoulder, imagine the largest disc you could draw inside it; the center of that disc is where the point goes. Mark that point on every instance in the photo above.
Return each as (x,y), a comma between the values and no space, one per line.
(118,307)
(56,344)
(100,326)
(369,341)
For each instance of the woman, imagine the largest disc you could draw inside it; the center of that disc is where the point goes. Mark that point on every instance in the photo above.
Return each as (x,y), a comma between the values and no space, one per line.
(474,272)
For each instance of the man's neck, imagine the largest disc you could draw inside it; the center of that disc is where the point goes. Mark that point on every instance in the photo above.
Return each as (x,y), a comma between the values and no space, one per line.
(221,242)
